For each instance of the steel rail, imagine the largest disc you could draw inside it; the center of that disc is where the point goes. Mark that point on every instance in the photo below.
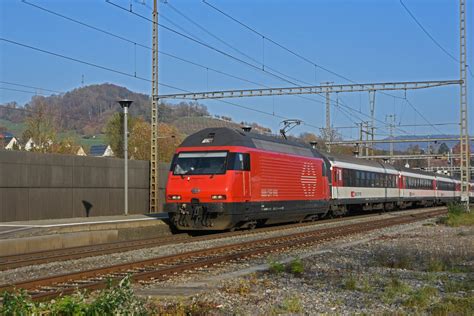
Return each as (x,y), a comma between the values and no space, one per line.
(39,257)
(164,267)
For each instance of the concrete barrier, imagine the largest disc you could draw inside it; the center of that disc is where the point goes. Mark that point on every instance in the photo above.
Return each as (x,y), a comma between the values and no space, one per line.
(47,186)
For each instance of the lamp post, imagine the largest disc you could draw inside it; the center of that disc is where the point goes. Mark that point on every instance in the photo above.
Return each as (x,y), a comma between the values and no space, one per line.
(125,104)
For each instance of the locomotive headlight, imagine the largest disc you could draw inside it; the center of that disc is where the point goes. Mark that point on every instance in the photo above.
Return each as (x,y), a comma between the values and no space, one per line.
(174,197)
(218,197)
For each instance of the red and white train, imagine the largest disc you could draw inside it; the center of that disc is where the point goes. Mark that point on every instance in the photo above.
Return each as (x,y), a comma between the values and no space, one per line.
(222,178)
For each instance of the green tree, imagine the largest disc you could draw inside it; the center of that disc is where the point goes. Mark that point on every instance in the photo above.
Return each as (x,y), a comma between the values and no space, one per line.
(443,149)
(40,127)
(139,138)
(169,139)
(139,141)
(114,132)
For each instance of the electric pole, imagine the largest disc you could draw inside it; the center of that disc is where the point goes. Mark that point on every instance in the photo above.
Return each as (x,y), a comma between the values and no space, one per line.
(372,117)
(464,134)
(328,115)
(391,124)
(154,164)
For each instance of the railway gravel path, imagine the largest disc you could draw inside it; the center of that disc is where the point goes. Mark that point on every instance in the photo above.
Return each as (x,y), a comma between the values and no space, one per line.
(87,263)
(164,266)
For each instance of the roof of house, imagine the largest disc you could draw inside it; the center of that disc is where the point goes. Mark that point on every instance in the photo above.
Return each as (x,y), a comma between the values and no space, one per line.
(6,136)
(98,150)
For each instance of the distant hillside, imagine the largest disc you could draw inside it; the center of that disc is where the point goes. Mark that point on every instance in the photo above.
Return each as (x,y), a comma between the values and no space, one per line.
(86,110)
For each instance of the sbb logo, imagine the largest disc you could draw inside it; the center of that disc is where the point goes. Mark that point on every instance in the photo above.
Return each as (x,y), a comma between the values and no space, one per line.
(355,194)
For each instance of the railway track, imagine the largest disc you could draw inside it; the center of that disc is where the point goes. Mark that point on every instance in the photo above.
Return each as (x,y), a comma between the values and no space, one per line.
(164,267)
(34,258)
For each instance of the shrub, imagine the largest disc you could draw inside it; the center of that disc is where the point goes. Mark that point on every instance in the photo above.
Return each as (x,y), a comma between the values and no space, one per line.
(292,305)
(350,283)
(421,298)
(436,265)
(395,289)
(276,267)
(457,216)
(17,303)
(296,267)
(117,300)
(454,306)
(69,305)
(241,288)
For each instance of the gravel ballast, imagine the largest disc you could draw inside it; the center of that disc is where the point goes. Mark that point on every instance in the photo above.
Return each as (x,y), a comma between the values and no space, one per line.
(417,268)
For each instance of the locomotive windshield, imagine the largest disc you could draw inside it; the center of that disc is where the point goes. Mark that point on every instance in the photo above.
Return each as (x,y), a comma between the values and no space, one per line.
(200,163)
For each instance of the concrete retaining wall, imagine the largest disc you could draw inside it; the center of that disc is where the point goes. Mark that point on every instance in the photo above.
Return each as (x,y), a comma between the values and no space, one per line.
(44,186)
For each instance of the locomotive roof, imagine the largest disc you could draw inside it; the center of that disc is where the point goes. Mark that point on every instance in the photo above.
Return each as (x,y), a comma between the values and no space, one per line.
(224,136)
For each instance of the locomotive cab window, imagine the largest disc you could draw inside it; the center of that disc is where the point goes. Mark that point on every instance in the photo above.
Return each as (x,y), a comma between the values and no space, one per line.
(238,161)
(194,163)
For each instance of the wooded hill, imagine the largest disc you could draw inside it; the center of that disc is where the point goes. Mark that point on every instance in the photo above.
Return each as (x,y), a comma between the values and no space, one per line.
(86,110)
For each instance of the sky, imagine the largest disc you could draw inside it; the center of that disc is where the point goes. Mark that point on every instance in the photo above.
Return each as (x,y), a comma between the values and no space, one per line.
(364,41)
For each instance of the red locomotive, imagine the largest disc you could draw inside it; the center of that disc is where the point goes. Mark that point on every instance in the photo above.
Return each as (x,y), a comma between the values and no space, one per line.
(222,178)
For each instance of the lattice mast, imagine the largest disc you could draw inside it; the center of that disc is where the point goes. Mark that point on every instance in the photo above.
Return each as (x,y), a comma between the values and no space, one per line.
(464,134)
(154,163)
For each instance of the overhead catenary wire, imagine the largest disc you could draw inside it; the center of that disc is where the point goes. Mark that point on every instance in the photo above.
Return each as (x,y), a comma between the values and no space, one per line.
(211,47)
(424,118)
(204,44)
(220,51)
(269,39)
(31,87)
(25,110)
(109,33)
(123,73)
(428,33)
(24,91)
(125,39)
(290,50)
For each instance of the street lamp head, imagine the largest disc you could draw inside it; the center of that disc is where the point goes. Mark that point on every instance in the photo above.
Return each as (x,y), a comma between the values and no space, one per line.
(125,103)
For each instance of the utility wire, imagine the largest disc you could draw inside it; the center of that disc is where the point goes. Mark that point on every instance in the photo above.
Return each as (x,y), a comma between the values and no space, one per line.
(292,51)
(403,125)
(24,110)
(23,91)
(205,44)
(121,72)
(276,43)
(126,74)
(85,62)
(31,87)
(86,24)
(427,33)
(424,118)
(139,44)
(219,51)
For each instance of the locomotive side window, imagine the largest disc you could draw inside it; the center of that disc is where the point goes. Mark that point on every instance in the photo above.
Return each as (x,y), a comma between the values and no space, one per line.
(238,161)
